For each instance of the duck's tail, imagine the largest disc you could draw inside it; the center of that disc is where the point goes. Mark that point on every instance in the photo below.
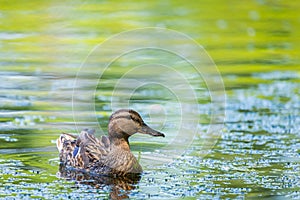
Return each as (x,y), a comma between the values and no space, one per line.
(66,144)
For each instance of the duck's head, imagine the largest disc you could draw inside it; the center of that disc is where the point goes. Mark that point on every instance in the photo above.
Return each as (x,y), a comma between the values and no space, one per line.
(124,123)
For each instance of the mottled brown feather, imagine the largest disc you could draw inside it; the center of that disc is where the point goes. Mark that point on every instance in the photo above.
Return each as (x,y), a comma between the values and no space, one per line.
(108,155)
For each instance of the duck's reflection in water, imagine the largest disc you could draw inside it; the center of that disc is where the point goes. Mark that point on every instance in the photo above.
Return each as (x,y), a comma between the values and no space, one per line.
(120,186)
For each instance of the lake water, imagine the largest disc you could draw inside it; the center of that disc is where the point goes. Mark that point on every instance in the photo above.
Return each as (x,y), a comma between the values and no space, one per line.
(232,129)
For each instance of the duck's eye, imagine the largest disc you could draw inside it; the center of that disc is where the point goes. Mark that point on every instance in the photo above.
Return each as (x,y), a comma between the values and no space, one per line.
(135,119)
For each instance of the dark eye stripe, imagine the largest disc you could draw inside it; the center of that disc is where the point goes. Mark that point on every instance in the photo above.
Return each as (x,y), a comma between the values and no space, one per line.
(139,121)
(129,117)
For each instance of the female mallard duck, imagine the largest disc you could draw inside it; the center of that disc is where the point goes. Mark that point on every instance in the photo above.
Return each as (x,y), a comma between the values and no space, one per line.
(110,155)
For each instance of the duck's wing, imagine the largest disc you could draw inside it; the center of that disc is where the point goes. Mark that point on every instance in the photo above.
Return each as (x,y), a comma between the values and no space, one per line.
(90,149)
(87,149)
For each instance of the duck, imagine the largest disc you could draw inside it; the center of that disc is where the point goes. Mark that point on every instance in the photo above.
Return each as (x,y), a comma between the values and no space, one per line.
(109,155)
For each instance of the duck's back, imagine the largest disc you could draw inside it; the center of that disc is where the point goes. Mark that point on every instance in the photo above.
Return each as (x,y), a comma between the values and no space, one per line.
(86,152)
(82,151)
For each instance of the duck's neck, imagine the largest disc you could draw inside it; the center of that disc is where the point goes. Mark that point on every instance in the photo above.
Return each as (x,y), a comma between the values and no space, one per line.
(120,149)
(120,143)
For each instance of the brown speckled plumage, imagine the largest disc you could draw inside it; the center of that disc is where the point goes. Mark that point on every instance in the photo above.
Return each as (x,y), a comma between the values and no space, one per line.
(109,155)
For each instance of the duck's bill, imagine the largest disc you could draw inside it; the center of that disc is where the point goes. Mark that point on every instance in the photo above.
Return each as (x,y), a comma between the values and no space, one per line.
(147,130)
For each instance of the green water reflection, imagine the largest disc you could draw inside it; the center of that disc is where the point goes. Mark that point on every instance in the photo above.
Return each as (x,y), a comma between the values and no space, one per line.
(253,43)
